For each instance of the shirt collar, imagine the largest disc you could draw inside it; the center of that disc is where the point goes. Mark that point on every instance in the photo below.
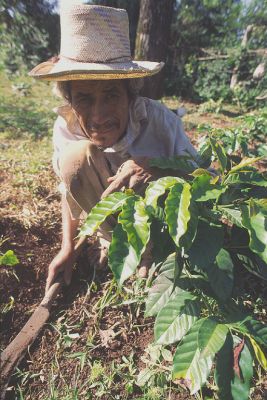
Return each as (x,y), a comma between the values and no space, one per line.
(137,114)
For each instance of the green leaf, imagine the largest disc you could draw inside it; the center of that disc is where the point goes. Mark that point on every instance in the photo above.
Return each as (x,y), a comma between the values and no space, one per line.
(220,275)
(135,222)
(9,259)
(246,177)
(240,387)
(254,218)
(206,245)
(233,215)
(205,153)
(188,365)
(244,163)
(253,328)
(158,188)
(105,207)
(172,266)
(253,263)
(219,152)
(181,163)
(204,190)
(122,257)
(231,387)
(224,372)
(200,172)
(176,317)
(259,353)
(181,215)
(211,337)
(158,295)
(163,286)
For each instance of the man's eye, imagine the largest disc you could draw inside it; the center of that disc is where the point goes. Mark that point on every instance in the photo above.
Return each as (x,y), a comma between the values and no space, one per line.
(83,100)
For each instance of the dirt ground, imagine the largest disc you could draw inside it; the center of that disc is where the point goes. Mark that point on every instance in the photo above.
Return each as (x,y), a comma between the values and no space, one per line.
(32,231)
(85,316)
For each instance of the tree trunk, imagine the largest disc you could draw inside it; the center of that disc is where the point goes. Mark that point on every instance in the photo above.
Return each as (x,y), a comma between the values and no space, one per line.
(246,36)
(244,43)
(152,40)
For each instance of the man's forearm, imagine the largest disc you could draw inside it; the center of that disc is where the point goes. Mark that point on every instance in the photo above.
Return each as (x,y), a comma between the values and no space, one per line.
(69,227)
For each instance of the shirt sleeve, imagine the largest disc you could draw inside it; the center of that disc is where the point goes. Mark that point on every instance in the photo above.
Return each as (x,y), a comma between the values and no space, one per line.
(183,146)
(61,138)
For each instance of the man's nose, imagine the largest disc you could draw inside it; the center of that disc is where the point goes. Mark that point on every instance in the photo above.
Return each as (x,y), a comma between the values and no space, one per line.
(98,112)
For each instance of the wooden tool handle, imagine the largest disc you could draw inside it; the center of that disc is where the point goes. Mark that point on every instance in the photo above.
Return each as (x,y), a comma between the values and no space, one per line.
(15,351)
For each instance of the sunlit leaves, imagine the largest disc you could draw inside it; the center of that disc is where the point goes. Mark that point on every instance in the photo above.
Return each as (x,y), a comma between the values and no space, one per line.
(204,190)
(176,318)
(219,152)
(163,285)
(169,266)
(202,225)
(233,215)
(181,215)
(9,259)
(244,163)
(158,188)
(129,239)
(105,207)
(259,354)
(123,259)
(254,218)
(211,337)
(189,366)
(158,295)
(135,222)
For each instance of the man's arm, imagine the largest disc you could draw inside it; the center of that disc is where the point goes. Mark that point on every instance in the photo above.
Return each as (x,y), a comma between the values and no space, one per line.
(65,259)
(136,174)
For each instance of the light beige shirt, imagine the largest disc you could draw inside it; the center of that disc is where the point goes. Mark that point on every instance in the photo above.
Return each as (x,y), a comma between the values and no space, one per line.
(153,131)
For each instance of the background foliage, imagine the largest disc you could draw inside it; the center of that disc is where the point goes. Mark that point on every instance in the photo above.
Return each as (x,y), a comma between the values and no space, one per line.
(200,29)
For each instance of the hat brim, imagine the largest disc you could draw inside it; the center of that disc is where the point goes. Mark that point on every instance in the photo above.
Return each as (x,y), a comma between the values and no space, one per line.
(64,70)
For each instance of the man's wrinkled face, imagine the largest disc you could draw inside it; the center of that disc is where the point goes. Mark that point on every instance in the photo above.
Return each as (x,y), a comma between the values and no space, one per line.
(102,109)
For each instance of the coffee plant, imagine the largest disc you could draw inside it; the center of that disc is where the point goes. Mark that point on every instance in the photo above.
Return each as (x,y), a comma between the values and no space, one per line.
(248,138)
(204,230)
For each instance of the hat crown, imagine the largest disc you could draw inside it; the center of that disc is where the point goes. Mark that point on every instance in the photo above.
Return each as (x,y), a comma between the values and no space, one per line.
(96,34)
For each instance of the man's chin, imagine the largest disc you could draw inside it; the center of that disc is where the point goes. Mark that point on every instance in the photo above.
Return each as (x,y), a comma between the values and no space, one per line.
(104,140)
(103,143)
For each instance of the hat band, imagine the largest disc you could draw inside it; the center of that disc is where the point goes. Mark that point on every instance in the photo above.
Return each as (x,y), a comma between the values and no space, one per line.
(109,60)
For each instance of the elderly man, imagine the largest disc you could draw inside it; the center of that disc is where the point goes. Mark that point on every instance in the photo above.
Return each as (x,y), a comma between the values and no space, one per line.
(106,133)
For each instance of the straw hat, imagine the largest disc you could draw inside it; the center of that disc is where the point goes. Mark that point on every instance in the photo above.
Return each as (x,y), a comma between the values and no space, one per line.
(94,45)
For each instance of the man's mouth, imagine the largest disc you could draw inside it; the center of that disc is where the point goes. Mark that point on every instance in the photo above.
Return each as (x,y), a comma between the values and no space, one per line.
(104,128)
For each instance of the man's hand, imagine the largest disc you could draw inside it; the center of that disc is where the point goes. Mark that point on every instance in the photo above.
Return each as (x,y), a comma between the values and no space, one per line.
(132,174)
(63,262)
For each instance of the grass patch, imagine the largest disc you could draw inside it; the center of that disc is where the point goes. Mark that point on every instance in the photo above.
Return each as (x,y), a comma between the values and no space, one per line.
(26,107)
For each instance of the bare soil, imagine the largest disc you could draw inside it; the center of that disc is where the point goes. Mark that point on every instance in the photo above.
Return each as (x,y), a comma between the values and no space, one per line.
(31,225)
(35,245)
